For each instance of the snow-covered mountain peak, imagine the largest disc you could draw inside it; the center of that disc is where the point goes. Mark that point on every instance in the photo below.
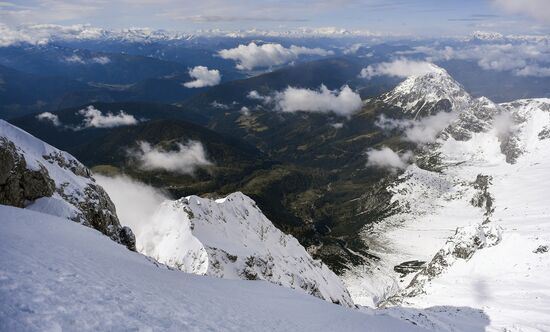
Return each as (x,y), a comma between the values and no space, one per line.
(231,238)
(428,93)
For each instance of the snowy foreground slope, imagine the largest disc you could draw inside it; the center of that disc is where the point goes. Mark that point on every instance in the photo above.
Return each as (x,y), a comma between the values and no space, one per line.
(475,230)
(58,275)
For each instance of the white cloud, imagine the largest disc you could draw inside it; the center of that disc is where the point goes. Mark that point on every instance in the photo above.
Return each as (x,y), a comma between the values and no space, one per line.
(344,102)
(74,59)
(255,95)
(422,131)
(538,9)
(93,118)
(525,58)
(534,70)
(185,160)
(253,56)
(102,60)
(49,117)
(203,77)
(245,111)
(387,158)
(428,128)
(221,106)
(135,202)
(400,68)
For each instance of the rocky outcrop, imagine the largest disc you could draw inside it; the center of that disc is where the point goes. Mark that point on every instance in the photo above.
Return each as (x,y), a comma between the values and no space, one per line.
(462,245)
(37,176)
(18,184)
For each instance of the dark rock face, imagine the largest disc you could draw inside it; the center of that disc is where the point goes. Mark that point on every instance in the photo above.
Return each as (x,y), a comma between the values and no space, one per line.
(18,184)
(483,198)
(127,238)
(544,133)
(409,267)
(541,249)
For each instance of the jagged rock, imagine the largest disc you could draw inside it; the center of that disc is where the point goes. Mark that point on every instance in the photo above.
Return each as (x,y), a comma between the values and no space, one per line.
(541,249)
(482,197)
(127,238)
(37,176)
(18,184)
(408,267)
(544,133)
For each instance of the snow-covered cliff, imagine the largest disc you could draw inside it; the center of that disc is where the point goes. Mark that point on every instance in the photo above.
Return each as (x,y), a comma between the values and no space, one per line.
(231,238)
(39,177)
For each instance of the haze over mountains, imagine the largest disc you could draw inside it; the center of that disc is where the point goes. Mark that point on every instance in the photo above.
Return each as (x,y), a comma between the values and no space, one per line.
(300,179)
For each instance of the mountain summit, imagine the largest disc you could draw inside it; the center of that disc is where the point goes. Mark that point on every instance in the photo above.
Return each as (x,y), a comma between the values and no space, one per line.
(428,93)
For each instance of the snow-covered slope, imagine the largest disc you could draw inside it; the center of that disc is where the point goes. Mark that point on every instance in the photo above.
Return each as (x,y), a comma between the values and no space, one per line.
(39,177)
(474,230)
(56,275)
(231,238)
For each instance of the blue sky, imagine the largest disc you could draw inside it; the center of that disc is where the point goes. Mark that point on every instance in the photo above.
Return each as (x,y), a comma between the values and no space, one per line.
(423,17)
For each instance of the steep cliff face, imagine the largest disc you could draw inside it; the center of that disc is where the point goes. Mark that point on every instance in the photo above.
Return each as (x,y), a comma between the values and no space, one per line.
(37,176)
(231,238)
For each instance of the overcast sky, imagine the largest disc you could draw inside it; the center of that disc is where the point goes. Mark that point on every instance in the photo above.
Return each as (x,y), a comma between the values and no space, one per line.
(425,17)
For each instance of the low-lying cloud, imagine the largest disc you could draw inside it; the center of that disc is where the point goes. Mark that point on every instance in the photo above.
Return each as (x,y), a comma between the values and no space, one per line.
(76,59)
(135,202)
(253,56)
(94,118)
(399,68)
(343,102)
(185,160)
(203,77)
(386,158)
(49,117)
(422,131)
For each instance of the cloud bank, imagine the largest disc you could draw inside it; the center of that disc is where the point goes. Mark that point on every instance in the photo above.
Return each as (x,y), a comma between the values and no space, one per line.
(203,77)
(524,58)
(253,56)
(538,9)
(185,160)
(93,118)
(399,68)
(386,158)
(49,117)
(343,102)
